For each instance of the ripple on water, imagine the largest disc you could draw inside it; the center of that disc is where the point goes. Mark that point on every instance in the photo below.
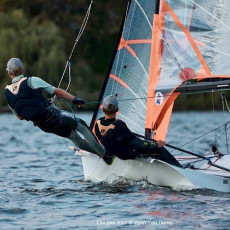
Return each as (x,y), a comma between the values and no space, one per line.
(14,211)
(43,187)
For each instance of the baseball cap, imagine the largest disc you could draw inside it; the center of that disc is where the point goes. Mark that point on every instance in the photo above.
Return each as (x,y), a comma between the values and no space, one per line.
(13,63)
(108,101)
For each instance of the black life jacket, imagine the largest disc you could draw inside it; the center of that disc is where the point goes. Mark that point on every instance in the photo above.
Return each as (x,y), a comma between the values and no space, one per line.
(110,139)
(26,102)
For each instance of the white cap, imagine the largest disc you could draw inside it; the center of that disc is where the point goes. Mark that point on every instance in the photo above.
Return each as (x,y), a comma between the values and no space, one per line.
(13,63)
(108,101)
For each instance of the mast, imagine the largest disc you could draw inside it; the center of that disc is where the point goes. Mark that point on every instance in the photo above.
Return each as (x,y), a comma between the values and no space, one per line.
(157,7)
(110,67)
(152,73)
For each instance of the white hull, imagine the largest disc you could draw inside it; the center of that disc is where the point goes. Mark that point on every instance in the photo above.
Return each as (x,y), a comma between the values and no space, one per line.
(156,172)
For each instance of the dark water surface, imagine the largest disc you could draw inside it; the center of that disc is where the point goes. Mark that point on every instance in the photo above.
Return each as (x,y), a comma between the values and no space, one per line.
(42,185)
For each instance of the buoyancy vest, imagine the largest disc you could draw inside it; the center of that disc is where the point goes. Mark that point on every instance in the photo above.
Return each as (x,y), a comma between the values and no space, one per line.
(25,101)
(110,139)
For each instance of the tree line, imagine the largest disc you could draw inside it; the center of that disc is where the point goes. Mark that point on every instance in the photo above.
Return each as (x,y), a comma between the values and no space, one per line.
(42,33)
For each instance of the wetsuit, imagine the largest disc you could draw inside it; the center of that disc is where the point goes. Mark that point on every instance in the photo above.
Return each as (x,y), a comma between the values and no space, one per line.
(118,140)
(25,99)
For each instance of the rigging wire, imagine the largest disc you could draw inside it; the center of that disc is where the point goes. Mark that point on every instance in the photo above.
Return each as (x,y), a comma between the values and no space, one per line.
(225,130)
(68,63)
(225,127)
(214,130)
(145,98)
(226,102)
(213,110)
(205,134)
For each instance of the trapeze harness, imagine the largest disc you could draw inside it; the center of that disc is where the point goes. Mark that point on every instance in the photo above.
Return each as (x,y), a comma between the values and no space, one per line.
(118,139)
(109,138)
(33,106)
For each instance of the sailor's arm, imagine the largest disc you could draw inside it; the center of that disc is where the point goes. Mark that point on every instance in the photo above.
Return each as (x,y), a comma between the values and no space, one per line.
(135,142)
(61,93)
(38,83)
(124,132)
(65,95)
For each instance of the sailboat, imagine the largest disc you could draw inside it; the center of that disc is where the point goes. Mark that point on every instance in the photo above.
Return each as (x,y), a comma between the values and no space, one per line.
(165,49)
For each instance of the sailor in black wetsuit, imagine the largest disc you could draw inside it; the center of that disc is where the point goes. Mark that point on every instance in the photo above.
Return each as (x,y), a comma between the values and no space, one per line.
(27,102)
(119,141)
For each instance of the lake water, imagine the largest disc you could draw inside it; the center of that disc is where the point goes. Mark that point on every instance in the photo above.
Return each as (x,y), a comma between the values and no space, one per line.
(42,184)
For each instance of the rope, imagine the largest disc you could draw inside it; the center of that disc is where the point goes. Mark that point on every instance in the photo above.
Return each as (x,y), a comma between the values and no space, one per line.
(69,106)
(68,63)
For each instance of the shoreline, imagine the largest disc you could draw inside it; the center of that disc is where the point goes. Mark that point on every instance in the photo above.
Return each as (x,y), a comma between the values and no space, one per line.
(4,109)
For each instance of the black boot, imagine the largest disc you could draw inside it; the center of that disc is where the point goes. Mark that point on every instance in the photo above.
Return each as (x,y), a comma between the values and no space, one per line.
(168,157)
(108,159)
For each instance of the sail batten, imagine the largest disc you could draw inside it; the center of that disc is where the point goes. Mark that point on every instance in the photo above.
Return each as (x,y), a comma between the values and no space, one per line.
(149,23)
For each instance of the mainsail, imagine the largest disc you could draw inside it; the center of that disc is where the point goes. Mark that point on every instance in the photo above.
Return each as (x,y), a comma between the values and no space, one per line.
(129,73)
(163,44)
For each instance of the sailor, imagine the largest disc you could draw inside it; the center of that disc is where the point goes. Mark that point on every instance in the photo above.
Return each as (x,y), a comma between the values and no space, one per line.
(119,141)
(25,99)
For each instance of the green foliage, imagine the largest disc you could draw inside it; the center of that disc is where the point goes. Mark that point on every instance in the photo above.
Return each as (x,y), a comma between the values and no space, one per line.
(203,101)
(38,45)
(42,33)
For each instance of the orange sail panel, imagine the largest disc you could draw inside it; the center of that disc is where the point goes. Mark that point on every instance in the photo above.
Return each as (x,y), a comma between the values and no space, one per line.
(177,55)
(125,44)
(156,100)
(118,80)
